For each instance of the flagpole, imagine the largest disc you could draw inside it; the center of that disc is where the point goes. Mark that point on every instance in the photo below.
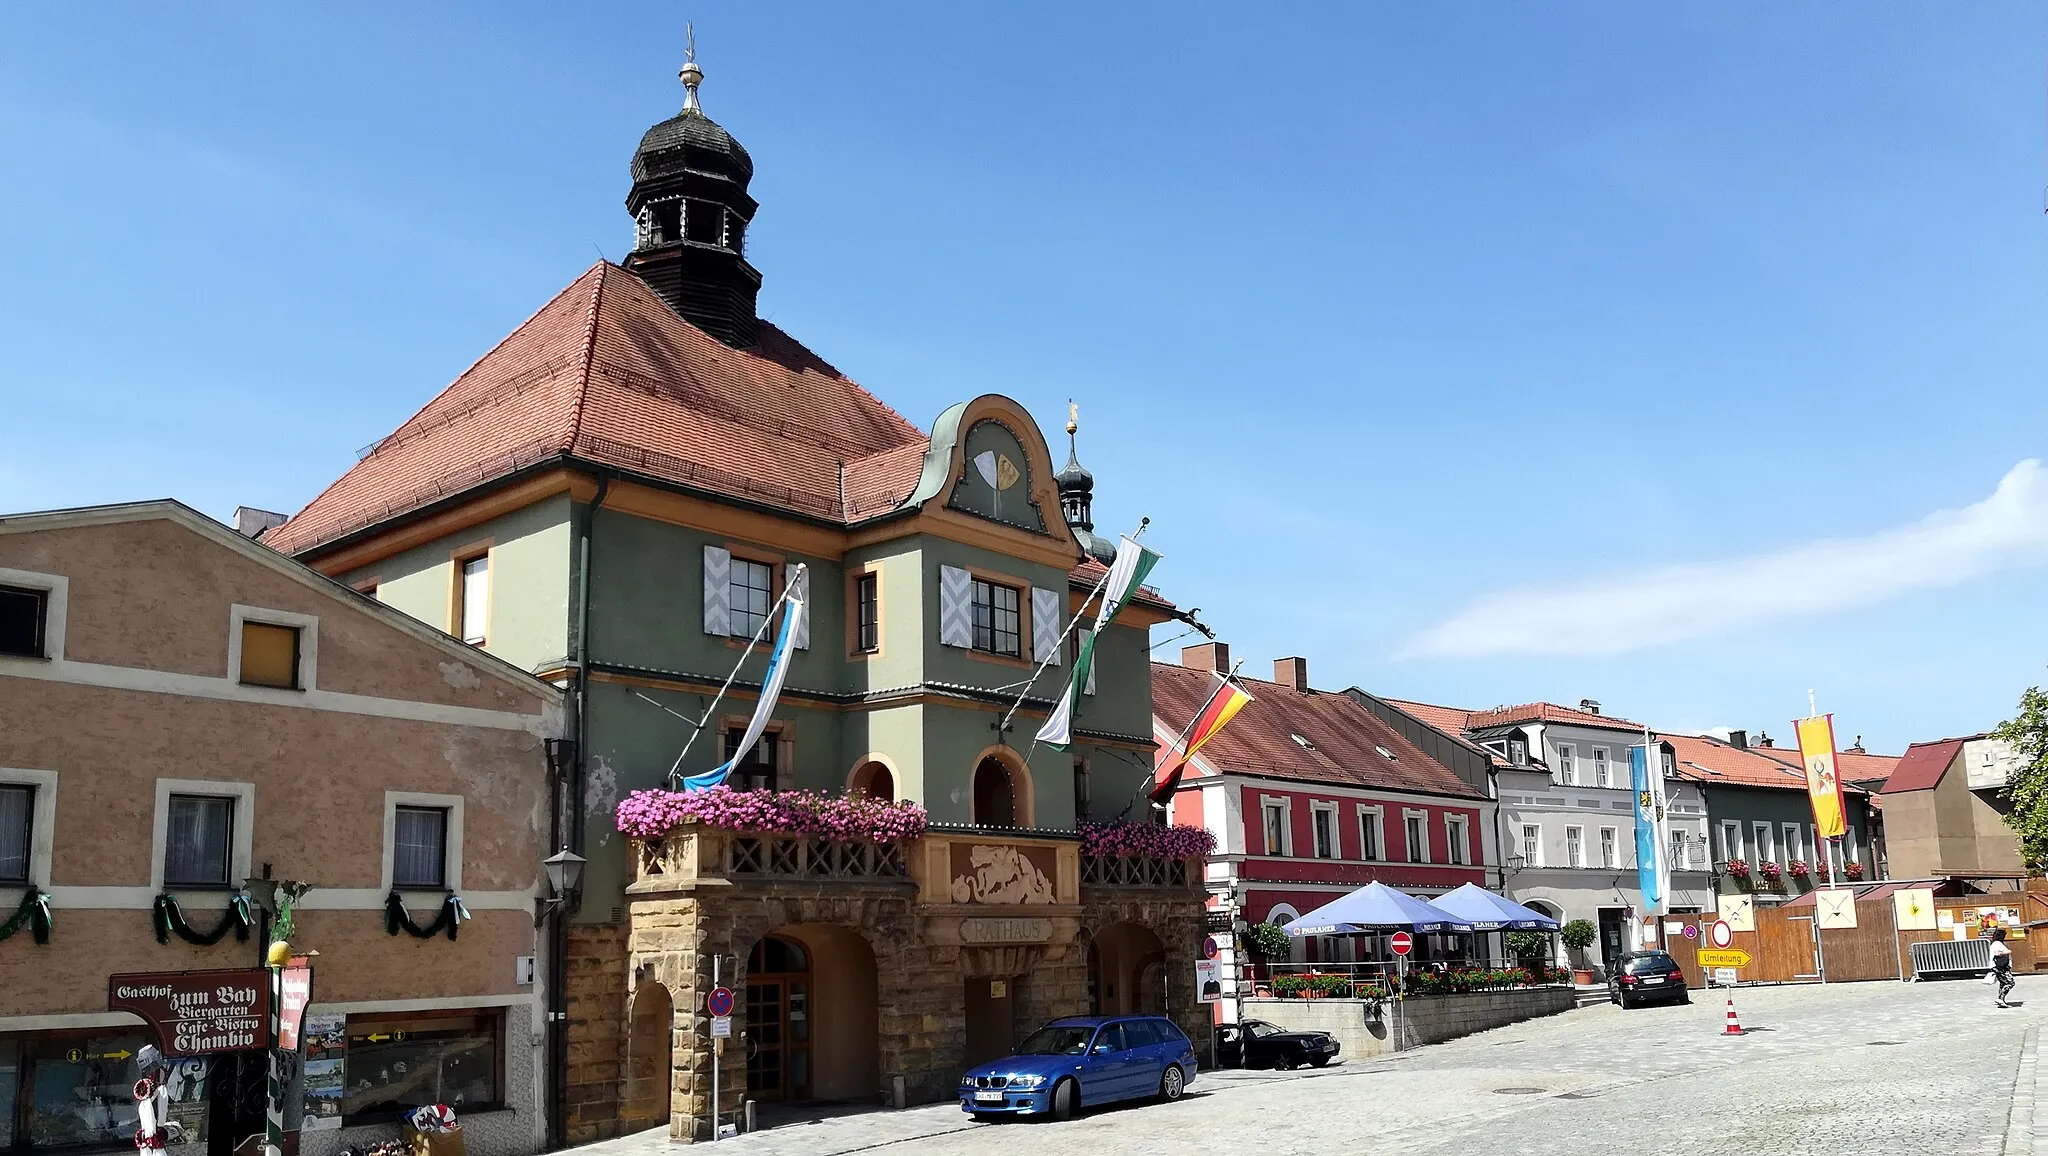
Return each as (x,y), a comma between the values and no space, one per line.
(1180,743)
(1835,862)
(1003,727)
(766,622)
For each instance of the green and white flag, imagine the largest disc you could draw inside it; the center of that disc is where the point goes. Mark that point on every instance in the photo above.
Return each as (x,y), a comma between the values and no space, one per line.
(1126,575)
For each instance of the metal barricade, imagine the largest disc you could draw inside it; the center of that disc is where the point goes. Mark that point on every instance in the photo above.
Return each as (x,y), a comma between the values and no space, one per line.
(1951,956)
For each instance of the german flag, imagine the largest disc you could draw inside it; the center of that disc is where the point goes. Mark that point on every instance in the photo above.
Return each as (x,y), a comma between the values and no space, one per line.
(1224,703)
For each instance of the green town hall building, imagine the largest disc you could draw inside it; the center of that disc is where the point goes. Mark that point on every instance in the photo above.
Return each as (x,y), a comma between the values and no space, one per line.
(613,497)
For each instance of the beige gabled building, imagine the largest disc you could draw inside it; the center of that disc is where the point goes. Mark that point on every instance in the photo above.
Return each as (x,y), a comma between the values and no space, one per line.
(1942,810)
(183,710)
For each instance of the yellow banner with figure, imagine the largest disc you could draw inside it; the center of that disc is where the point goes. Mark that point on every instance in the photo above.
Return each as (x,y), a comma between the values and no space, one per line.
(1823,784)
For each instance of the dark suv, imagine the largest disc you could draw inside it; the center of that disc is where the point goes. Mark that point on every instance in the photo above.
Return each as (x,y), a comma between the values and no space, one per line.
(1647,977)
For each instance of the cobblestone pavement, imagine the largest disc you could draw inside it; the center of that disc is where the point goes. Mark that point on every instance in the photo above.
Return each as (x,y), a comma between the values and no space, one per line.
(1866,1069)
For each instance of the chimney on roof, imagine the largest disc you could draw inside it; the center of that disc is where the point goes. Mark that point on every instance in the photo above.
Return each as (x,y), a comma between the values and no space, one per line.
(1858,748)
(1739,740)
(1291,672)
(250,522)
(1764,740)
(1590,705)
(1208,656)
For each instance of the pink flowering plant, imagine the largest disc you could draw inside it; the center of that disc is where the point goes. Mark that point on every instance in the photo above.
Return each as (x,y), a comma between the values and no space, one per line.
(852,818)
(1145,840)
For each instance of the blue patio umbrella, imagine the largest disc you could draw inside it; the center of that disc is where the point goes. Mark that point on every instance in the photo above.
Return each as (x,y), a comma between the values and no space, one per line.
(1486,911)
(1376,907)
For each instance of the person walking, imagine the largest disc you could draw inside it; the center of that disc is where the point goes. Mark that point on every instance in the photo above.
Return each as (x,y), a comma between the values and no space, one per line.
(2001,965)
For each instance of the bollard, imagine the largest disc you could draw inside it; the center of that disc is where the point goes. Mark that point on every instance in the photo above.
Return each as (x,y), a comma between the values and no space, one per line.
(747,1115)
(896,1095)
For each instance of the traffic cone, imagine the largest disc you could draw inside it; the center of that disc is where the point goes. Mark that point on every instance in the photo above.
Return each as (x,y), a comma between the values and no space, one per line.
(1734,1027)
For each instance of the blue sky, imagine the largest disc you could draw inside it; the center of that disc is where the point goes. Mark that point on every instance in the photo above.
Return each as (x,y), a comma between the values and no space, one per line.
(1478,356)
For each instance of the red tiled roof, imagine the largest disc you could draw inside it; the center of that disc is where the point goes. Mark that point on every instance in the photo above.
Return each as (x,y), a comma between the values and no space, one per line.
(1260,739)
(1713,762)
(1449,719)
(1858,767)
(1547,712)
(1923,765)
(609,373)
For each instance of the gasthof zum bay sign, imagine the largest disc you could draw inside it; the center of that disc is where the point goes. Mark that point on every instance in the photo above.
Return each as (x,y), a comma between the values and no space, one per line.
(198,1013)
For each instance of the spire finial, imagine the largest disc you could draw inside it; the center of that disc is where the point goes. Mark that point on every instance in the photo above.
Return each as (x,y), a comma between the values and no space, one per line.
(691,75)
(1073,417)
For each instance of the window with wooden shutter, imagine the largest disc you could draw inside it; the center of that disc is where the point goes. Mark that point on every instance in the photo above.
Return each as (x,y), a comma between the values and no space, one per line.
(956,607)
(717,591)
(1047,624)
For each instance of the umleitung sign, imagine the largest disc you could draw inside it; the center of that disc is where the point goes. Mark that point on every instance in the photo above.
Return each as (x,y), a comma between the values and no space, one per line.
(198,1013)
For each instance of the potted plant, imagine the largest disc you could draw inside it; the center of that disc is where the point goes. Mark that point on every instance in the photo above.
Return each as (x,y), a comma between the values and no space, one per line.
(1738,870)
(1528,946)
(1771,871)
(1797,868)
(1268,941)
(1290,986)
(1578,935)
(1852,869)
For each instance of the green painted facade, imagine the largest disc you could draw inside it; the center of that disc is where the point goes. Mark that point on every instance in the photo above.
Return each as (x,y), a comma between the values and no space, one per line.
(1749,806)
(927,709)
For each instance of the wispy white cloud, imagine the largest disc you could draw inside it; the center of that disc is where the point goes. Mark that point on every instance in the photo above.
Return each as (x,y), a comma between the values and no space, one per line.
(1669,604)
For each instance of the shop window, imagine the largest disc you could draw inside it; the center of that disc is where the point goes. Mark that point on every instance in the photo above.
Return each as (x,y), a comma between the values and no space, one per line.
(77,1091)
(198,840)
(22,613)
(270,655)
(397,1063)
(419,852)
(17,816)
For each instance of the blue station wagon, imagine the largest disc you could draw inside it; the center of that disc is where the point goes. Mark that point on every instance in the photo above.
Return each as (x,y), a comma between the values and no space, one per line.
(1081,1060)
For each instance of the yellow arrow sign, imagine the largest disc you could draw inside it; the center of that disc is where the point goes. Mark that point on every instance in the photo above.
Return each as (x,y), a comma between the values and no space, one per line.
(1723,957)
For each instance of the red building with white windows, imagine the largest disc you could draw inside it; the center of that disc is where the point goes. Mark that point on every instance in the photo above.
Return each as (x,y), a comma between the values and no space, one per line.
(1310,794)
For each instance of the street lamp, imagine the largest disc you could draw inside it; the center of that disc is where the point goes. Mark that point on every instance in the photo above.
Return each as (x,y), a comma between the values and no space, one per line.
(564,870)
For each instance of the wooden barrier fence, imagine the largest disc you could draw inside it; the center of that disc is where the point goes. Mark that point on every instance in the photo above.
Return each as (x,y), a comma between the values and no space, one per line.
(1782,948)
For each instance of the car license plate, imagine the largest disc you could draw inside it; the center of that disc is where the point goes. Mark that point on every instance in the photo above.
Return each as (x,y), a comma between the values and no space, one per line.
(988,1097)
(1653,979)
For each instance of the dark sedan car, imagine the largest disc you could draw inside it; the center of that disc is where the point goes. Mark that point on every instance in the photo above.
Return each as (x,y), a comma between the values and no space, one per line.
(1647,977)
(1258,1044)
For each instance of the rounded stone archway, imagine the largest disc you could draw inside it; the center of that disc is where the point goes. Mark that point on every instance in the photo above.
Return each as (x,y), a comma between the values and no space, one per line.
(812,1011)
(650,1039)
(1126,971)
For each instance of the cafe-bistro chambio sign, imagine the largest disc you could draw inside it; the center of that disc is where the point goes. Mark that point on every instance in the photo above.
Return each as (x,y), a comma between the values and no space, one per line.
(198,1013)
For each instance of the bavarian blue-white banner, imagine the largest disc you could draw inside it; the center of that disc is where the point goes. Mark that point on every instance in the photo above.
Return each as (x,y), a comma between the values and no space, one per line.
(795,604)
(1652,873)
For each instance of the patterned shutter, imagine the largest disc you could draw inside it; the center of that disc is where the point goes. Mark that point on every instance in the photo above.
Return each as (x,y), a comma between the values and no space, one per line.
(1092,665)
(1047,625)
(956,607)
(801,588)
(717,591)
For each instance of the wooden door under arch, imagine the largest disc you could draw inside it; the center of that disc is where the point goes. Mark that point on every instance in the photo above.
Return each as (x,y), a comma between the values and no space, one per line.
(779,1020)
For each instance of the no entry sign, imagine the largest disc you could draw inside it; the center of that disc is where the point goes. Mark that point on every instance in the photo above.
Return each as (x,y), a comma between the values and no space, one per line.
(1402,943)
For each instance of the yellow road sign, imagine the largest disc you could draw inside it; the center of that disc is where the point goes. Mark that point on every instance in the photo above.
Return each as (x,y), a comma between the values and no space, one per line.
(1723,957)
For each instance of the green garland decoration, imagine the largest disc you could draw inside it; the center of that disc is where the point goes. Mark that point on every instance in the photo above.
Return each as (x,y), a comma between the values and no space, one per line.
(397,918)
(169,918)
(34,913)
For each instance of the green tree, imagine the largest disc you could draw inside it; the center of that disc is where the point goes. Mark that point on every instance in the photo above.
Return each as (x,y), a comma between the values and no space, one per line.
(2027,791)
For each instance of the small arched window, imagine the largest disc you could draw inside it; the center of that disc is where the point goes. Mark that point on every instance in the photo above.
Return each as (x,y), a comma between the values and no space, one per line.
(995,801)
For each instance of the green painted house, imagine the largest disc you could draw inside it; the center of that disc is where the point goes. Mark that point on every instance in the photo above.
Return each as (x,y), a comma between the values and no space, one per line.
(615,496)
(1758,812)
